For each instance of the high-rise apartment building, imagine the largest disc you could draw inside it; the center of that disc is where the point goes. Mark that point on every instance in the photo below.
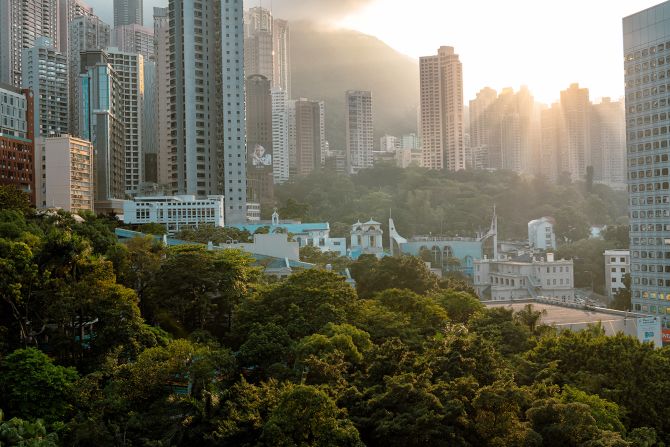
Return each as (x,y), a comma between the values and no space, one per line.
(441,110)
(135,39)
(280,132)
(128,12)
(267,47)
(21,23)
(646,42)
(608,147)
(149,148)
(68,10)
(86,33)
(45,73)
(65,173)
(551,157)
(162,110)
(208,143)
(102,123)
(306,136)
(17,150)
(259,139)
(129,69)
(359,130)
(281,40)
(576,110)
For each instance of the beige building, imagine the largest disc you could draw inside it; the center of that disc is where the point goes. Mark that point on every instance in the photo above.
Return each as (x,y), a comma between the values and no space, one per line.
(441,116)
(65,172)
(576,109)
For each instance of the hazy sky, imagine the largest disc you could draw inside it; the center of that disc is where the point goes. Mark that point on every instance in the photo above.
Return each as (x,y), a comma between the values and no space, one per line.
(543,44)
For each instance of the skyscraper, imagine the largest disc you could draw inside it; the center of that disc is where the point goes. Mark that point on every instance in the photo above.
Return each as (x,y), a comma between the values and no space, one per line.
(646,39)
(281,40)
(306,137)
(87,33)
(258,43)
(359,128)
(551,164)
(129,68)
(208,135)
(45,73)
(576,109)
(608,132)
(163,113)
(280,131)
(441,108)
(68,10)
(259,139)
(128,12)
(21,22)
(101,123)
(135,39)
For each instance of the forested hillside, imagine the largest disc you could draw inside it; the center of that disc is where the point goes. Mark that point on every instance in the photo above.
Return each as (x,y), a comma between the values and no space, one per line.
(104,344)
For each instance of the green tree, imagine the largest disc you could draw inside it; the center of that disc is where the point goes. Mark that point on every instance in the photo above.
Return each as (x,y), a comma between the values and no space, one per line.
(20,433)
(12,198)
(32,387)
(460,306)
(404,272)
(622,297)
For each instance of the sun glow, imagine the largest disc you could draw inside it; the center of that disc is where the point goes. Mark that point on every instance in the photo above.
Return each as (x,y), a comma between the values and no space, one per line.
(544,45)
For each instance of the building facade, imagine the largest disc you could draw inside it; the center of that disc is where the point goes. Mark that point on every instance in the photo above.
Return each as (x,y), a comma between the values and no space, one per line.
(128,12)
(162,110)
(175,212)
(17,149)
(609,142)
(23,21)
(135,39)
(576,110)
(646,40)
(259,139)
(359,130)
(366,239)
(129,69)
(68,10)
(45,73)
(541,234)
(102,123)
(617,266)
(280,146)
(86,33)
(306,140)
(441,111)
(65,173)
(504,280)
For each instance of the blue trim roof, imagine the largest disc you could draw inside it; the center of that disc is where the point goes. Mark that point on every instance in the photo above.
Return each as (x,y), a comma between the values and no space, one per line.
(291,228)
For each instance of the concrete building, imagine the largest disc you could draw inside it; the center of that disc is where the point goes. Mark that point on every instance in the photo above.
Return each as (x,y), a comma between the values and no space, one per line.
(482,117)
(68,10)
(102,123)
(617,265)
(502,280)
(646,38)
(281,49)
(258,43)
(576,110)
(541,234)
(551,157)
(129,69)
(65,173)
(86,33)
(260,179)
(608,132)
(306,136)
(23,21)
(366,239)
(208,136)
(388,143)
(162,110)
(360,130)
(175,212)
(441,110)
(150,127)
(128,12)
(135,39)
(45,73)
(280,145)
(17,150)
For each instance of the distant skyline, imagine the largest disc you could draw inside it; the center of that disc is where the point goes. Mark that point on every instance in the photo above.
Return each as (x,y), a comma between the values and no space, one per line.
(544,45)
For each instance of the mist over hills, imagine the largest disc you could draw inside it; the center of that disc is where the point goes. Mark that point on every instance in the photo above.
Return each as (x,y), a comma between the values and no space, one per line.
(327,62)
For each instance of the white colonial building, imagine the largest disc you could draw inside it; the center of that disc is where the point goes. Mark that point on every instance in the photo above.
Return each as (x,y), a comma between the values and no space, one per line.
(174,212)
(501,280)
(366,239)
(617,265)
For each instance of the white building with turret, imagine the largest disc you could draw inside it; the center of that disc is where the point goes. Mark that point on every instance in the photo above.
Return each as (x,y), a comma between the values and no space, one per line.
(366,239)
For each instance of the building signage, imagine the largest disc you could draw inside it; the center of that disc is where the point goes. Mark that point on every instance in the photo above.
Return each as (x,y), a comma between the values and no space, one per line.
(649,330)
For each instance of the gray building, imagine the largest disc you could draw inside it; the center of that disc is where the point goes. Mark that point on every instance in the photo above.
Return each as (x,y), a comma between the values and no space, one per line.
(646,55)
(360,131)
(135,39)
(101,123)
(68,10)
(128,12)
(259,139)
(21,22)
(86,33)
(208,140)
(45,73)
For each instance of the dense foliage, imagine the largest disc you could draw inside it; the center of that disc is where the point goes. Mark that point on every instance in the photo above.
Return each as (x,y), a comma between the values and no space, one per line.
(104,344)
(450,203)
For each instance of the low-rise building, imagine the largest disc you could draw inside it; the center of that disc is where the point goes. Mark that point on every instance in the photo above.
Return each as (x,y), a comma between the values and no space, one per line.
(617,265)
(366,239)
(541,234)
(500,280)
(174,212)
